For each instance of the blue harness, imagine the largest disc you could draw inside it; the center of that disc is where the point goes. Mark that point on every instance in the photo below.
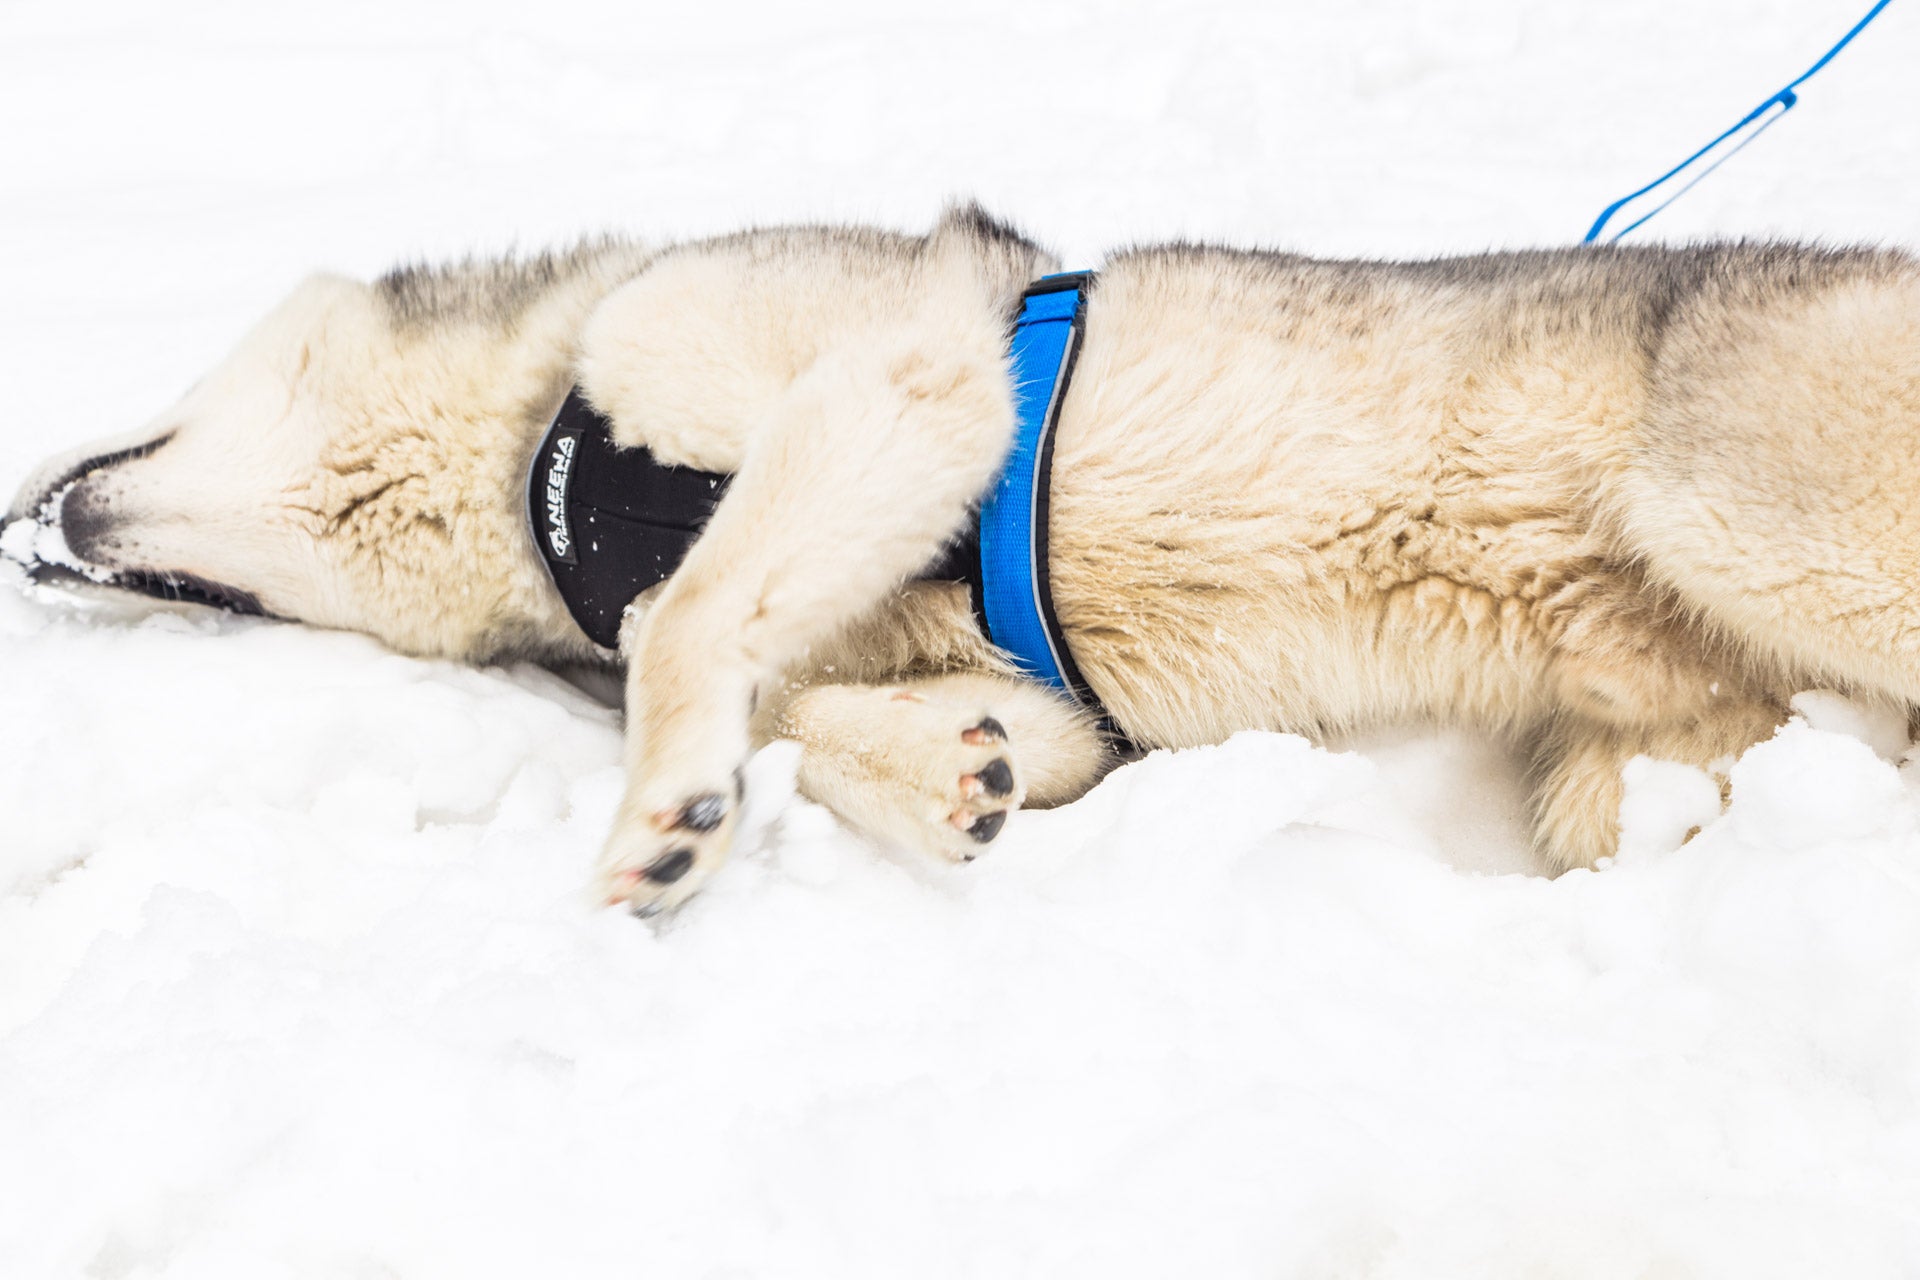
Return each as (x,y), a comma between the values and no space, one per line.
(610,522)
(1014,596)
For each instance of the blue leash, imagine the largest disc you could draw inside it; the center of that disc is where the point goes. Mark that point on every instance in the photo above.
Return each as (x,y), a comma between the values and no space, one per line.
(1785,100)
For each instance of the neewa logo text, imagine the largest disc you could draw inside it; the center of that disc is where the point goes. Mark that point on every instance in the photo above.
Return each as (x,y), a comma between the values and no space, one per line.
(559,474)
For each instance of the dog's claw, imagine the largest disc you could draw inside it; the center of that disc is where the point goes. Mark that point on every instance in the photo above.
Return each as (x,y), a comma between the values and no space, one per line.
(623,886)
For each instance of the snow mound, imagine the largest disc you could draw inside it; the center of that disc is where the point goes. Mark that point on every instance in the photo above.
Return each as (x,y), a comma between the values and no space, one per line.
(299,966)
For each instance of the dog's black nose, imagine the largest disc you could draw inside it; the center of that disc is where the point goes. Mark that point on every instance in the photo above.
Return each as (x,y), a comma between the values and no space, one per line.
(86,520)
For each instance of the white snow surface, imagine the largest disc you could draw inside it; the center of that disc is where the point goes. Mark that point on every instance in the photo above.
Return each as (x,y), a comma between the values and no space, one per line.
(297,977)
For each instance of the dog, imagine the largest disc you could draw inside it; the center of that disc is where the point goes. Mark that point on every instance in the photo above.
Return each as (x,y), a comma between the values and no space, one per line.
(1609,501)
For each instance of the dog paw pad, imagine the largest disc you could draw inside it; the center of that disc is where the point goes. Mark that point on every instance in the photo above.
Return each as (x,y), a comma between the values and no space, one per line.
(670,866)
(981,827)
(988,730)
(704,812)
(996,779)
(664,849)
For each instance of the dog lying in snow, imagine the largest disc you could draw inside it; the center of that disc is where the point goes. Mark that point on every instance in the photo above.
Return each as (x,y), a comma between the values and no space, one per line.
(1611,501)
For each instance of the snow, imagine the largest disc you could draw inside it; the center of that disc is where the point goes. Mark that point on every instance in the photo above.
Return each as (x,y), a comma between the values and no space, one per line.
(297,977)
(36,538)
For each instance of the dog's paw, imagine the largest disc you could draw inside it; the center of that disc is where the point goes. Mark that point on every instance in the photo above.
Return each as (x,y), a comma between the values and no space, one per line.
(985,788)
(660,853)
(934,775)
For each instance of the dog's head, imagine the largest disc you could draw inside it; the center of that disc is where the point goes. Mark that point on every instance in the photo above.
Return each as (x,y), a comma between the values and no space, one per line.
(356,462)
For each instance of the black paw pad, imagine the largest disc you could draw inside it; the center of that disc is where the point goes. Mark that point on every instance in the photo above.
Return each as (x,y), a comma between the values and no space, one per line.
(670,866)
(988,730)
(704,812)
(988,825)
(996,779)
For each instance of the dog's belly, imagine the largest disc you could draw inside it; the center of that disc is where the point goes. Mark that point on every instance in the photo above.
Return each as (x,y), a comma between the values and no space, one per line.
(1214,623)
(1295,499)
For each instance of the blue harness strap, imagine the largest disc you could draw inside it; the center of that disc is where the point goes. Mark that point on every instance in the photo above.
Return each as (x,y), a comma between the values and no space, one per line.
(1016,599)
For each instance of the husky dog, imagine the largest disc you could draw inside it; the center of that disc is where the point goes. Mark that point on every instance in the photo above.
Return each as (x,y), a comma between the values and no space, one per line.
(1610,501)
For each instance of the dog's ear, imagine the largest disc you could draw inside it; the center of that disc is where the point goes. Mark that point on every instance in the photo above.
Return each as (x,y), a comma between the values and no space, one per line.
(970,238)
(970,219)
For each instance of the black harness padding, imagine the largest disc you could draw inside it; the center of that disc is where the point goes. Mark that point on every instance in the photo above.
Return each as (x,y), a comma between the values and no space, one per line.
(611,522)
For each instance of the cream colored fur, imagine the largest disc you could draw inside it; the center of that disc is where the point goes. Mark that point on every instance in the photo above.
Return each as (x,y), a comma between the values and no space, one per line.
(1611,502)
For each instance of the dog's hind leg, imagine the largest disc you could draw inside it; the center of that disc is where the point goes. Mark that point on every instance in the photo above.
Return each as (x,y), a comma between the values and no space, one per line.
(1775,482)
(1579,765)
(937,763)
(850,483)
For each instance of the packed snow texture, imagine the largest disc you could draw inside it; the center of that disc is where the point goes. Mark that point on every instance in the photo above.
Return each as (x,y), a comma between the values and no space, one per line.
(297,977)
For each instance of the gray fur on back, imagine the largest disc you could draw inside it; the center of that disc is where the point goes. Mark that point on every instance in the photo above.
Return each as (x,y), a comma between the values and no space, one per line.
(1646,286)
(495,291)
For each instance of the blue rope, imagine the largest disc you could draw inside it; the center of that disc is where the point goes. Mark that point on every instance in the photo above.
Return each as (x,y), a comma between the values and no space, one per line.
(1785,100)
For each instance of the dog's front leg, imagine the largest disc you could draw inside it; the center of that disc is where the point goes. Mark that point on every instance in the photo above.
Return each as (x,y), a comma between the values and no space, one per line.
(859,473)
